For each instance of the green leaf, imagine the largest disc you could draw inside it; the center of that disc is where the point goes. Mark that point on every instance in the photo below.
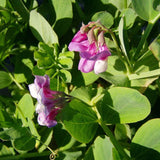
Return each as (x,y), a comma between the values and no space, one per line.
(19,6)
(146,11)
(5,150)
(155,47)
(67,54)
(5,79)
(80,121)
(121,36)
(26,107)
(103,149)
(20,137)
(63,140)
(148,74)
(3,3)
(130,16)
(126,105)
(116,73)
(42,29)
(120,5)
(66,63)
(89,154)
(44,56)
(84,94)
(105,1)
(104,17)
(25,60)
(89,78)
(146,142)
(156,5)
(64,14)
(25,143)
(38,71)
(5,119)
(122,132)
(16,131)
(46,137)
(66,155)
(34,131)
(65,75)
(146,70)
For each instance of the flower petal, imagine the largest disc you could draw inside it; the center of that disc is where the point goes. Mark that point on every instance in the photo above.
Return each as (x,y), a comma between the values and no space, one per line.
(86,65)
(79,37)
(33,90)
(74,46)
(42,81)
(100,66)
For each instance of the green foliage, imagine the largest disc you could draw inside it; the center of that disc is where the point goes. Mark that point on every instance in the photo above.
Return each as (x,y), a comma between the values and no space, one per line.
(148,12)
(80,120)
(5,79)
(64,17)
(104,17)
(145,146)
(113,115)
(39,26)
(155,48)
(53,63)
(125,105)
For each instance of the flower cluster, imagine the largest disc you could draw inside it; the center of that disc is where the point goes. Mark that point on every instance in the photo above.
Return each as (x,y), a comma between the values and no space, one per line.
(49,102)
(90,42)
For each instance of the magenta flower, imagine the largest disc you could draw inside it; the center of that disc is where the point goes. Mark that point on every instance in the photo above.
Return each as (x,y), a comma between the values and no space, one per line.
(89,41)
(49,103)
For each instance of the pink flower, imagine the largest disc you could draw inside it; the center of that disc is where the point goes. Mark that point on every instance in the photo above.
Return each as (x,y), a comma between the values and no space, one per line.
(49,102)
(89,41)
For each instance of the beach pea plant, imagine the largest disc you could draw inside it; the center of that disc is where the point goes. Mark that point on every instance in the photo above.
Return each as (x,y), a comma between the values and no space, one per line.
(79,79)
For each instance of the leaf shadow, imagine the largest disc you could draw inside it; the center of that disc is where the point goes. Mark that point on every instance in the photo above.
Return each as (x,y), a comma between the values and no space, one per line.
(21,67)
(61,136)
(148,61)
(139,152)
(62,25)
(107,111)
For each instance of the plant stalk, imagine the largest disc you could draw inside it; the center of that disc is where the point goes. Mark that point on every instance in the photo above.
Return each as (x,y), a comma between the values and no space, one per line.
(111,136)
(114,141)
(143,39)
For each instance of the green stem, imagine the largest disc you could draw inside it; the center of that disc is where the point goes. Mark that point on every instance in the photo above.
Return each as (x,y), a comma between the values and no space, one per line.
(126,60)
(14,80)
(111,136)
(143,39)
(114,141)
(125,3)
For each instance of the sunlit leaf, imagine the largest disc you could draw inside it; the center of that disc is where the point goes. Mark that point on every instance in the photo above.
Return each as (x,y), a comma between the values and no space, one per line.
(64,14)
(42,29)
(146,143)
(146,11)
(126,105)
(155,47)
(80,121)
(103,149)
(104,17)
(5,79)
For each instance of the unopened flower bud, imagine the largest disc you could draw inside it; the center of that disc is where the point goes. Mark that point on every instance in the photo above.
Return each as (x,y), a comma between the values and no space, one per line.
(91,37)
(101,39)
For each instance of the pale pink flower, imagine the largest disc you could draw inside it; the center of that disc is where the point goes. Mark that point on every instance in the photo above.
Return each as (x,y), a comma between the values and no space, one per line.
(49,103)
